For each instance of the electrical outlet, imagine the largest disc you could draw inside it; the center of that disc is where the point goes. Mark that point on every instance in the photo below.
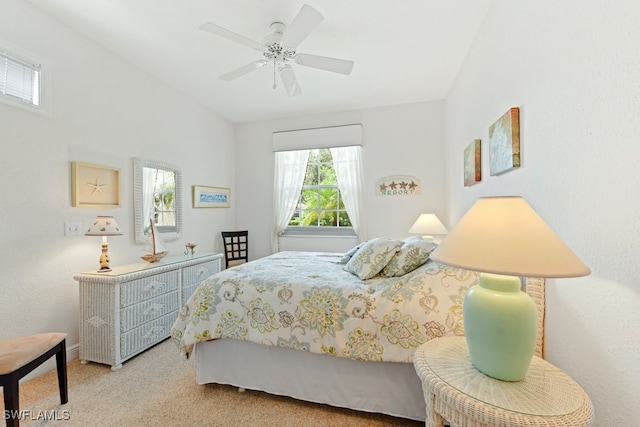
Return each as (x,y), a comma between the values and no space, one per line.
(72,229)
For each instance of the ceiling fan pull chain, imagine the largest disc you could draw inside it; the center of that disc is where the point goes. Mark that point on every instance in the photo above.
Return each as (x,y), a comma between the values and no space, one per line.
(274,75)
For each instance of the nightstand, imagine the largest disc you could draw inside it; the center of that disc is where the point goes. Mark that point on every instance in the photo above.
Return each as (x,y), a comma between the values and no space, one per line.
(457,392)
(131,308)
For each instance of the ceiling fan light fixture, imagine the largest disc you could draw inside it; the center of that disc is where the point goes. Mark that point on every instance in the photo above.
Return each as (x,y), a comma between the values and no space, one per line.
(280,48)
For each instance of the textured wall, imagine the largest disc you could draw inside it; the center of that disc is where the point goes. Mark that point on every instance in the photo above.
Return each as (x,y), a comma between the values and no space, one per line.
(398,140)
(104,111)
(572,67)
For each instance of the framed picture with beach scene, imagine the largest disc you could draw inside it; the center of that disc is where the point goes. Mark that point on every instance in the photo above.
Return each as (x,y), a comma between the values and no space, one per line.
(211,197)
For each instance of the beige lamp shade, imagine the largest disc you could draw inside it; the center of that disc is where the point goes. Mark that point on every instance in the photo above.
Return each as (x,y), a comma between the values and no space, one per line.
(504,235)
(104,226)
(428,224)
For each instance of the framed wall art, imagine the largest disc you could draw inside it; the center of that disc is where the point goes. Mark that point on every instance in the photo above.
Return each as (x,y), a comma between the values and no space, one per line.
(94,186)
(472,163)
(504,143)
(398,185)
(210,197)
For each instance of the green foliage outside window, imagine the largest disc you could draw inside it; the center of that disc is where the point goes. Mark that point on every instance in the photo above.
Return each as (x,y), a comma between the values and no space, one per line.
(320,203)
(164,191)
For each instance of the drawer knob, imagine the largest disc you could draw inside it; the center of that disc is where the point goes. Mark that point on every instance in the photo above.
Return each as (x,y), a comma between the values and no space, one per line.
(153,309)
(153,332)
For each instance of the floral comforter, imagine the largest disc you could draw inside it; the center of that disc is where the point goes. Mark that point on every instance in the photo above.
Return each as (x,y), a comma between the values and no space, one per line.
(306,301)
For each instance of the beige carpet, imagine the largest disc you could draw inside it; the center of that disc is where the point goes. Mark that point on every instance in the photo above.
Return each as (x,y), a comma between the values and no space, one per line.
(157,388)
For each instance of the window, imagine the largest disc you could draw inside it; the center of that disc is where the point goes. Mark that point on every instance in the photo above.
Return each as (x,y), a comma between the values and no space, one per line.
(164,191)
(317,188)
(320,203)
(20,81)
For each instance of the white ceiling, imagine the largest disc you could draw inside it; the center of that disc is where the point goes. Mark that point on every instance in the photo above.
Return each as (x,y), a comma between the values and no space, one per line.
(404,50)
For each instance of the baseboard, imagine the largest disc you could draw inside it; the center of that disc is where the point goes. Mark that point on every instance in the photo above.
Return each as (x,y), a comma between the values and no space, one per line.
(73,352)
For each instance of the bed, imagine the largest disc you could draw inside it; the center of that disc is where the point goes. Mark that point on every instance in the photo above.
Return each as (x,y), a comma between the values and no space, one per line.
(297,324)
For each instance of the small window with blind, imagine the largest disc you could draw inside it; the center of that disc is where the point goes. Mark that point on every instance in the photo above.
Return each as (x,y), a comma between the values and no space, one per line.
(20,81)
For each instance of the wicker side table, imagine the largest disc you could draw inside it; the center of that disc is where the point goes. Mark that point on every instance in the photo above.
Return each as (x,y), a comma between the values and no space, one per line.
(457,392)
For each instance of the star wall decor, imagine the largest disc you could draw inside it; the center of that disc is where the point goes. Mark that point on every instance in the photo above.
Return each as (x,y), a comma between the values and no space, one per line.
(94,186)
(97,186)
(398,185)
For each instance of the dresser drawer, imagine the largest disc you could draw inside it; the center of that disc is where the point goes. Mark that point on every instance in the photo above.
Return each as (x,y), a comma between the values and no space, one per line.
(187,291)
(197,273)
(146,335)
(136,315)
(148,287)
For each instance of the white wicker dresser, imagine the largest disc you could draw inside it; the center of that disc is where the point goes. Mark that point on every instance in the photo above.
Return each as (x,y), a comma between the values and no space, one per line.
(129,309)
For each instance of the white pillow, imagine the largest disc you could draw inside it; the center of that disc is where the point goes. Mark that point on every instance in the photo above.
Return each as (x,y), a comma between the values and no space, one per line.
(372,256)
(346,257)
(413,254)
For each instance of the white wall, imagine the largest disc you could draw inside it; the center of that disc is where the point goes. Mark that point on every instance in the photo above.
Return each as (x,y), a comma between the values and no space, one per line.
(104,111)
(573,69)
(398,140)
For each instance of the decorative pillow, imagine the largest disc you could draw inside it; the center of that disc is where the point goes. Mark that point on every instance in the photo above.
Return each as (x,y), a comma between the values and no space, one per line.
(346,257)
(412,254)
(371,258)
(413,239)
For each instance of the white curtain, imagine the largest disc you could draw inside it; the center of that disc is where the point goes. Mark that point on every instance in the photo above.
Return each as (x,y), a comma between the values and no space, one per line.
(149,181)
(290,167)
(347,162)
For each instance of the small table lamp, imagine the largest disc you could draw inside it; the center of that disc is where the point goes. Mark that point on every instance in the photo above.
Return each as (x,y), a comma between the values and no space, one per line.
(104,226)
(503,237)
(427,225)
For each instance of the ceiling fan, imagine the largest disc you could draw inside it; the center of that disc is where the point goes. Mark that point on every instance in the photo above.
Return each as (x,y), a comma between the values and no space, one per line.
(280,48)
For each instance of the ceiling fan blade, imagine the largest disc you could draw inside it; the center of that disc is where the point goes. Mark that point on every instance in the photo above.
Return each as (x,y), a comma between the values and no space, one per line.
(302,25)
(289,80)
(335,65)
(231,75)
(230,35)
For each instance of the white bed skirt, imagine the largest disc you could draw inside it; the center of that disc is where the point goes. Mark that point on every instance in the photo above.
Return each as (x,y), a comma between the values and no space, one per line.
(388,388)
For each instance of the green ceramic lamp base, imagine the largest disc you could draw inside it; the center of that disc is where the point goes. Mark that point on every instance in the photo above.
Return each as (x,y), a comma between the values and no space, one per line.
(500,323)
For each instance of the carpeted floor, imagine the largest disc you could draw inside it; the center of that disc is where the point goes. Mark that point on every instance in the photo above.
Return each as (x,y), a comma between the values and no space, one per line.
(157,388)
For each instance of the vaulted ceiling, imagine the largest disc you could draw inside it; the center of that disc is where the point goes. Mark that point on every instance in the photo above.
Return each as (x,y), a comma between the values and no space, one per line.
(404,50)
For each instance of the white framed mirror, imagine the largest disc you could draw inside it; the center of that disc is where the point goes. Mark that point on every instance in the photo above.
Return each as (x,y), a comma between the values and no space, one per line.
(157,195)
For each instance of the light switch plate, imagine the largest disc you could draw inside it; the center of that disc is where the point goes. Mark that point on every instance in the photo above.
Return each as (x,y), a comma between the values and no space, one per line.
(73,229)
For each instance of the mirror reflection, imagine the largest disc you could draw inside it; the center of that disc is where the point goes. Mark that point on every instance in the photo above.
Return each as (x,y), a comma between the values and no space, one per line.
(157,197)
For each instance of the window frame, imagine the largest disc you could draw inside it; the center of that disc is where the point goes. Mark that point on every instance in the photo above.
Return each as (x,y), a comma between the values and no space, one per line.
(304,231)
(317,230)
(17,55)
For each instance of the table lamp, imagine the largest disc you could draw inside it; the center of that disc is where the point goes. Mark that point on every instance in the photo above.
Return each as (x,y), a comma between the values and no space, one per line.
(428,224)
(503,238)
(104,226)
